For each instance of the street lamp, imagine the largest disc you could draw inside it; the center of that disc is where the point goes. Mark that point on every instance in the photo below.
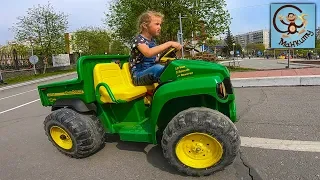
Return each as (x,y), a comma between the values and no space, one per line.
(233,49)
(242,54)
(180,33)
(33,59)
(31,39)
(234,61)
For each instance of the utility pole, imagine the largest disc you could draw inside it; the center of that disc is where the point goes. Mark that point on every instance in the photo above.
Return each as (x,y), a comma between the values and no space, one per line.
(181,35)
(192,34)
(288,59)
(34,66)
(1,79)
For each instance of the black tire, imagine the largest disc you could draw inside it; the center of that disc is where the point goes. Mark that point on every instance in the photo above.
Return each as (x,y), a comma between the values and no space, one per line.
(201,120)
(85,131)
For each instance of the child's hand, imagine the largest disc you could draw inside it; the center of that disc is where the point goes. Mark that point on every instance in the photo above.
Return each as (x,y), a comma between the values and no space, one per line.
(176,45)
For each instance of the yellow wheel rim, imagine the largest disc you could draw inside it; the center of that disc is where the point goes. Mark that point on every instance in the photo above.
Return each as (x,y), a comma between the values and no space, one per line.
(61,137)
(199,150)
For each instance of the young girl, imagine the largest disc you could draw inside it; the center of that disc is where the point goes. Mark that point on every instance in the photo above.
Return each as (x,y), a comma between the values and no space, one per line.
(143,60)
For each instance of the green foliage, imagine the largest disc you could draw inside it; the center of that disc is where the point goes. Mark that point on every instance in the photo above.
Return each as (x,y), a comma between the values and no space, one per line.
(92,40)
(118,47)
(229,43)
(45,26)
(304,52)
(212,42)
(255,47)
(123,17)
(238,47)
(239,69)
(95,41)
(7,51)
(20,79)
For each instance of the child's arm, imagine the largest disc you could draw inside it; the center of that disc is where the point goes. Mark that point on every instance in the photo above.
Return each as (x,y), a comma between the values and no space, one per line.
(150,52)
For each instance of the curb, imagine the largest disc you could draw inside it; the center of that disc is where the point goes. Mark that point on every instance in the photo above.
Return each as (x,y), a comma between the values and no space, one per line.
(36,81)
(301,64)
(312,80)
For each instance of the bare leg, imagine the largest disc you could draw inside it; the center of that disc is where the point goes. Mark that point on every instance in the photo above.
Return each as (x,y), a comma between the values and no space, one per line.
(302,31)
(285,35)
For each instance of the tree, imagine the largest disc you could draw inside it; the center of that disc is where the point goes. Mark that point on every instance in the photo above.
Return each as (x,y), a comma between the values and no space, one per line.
(45,26)
(210,17)
(92,40)
(229,43)
(212,42)
(252,47)
(118,47)
(238,47)
(7,52)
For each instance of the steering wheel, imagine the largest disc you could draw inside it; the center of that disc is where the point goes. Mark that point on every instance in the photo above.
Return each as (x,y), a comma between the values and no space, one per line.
(171,54)
(168,50)
(190,48)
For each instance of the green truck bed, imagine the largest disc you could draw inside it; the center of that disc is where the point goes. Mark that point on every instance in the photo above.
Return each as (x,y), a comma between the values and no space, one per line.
(74,88)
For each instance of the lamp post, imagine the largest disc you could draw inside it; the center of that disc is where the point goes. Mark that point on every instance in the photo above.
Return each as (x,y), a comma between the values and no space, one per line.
(242,54)
(34,58)
(234,61)
(180,33)
(31,39)
(233,49)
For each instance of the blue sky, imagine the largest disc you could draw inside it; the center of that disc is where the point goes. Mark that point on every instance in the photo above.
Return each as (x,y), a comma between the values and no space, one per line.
(248,15)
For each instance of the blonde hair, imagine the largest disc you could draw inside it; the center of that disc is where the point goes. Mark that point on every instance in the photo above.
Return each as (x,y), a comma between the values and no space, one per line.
(146,18)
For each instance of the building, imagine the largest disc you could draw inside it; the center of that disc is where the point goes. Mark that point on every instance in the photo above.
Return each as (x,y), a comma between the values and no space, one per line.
(256,37)
(69,43)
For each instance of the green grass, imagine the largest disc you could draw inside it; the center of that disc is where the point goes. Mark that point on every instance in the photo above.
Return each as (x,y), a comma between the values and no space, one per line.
(20,79)
(240,69)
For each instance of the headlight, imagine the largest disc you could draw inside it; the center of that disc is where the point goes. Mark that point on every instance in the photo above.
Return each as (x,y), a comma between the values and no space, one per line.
(221,90)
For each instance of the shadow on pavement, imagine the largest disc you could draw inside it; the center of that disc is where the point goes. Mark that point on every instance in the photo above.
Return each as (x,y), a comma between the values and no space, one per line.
(241,168)
(154,154)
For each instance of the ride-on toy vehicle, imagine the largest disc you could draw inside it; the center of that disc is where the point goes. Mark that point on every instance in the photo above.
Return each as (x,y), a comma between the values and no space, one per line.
(190,112)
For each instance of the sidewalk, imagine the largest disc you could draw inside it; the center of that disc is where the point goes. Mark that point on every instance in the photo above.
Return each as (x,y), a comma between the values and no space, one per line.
(277,73)
(285,77)
(5,87)
(263,78)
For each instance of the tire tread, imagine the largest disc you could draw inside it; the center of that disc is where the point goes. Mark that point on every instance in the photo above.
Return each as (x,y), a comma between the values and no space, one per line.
(87,131)
(207,120)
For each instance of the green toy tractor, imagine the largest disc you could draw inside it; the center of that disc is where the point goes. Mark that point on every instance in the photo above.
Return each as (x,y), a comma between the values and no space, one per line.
(191,112)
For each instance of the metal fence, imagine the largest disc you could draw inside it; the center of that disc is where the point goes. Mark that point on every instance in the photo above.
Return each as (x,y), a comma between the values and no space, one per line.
(14,61)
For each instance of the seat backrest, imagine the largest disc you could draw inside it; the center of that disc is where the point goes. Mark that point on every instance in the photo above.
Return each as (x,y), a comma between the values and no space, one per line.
(127,74)
(109,73)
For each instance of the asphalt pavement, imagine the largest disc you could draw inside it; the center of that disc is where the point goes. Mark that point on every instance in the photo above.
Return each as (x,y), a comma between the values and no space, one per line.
(290,113)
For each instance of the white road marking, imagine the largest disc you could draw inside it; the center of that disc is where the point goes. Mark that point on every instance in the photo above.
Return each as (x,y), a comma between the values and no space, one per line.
(254,142)
(17,94)
(19,106)
(279,144)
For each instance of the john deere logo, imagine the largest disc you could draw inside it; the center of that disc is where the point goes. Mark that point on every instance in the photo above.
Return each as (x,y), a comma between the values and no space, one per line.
(293,25)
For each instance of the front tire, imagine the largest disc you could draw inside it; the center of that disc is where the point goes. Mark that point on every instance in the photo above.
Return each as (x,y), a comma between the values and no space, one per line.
(200,141)
(74,134)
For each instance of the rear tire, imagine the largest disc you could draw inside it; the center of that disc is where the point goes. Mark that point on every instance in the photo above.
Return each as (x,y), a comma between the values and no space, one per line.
(200,141)
(74,134)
